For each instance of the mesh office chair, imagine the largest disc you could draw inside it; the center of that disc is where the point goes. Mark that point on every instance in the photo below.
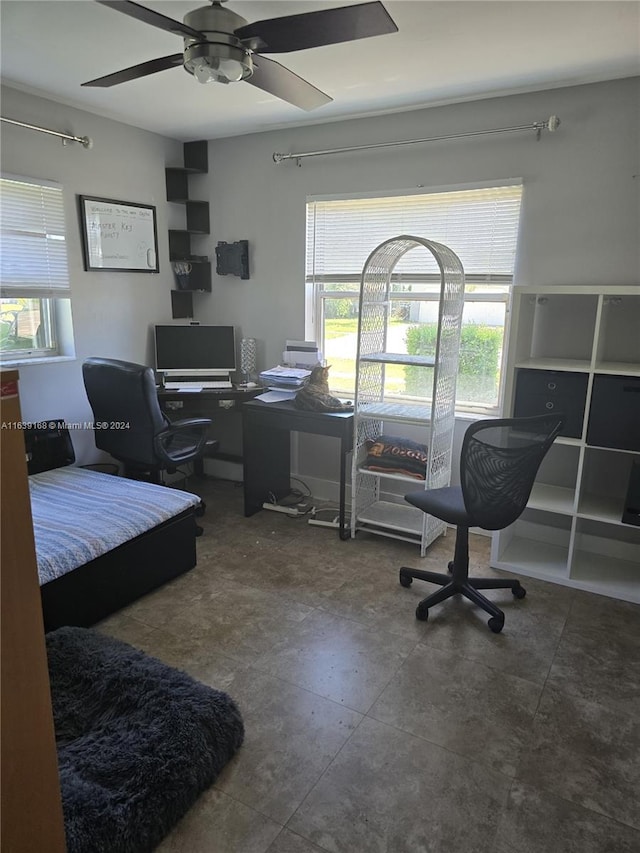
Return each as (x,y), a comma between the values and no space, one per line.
(498,465)
(125,393)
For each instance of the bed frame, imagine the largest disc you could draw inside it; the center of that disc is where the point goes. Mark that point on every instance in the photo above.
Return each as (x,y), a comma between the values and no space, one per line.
(96,589)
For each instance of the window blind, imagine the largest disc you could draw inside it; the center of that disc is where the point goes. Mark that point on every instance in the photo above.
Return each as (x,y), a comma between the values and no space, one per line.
(33,247)
(479,225)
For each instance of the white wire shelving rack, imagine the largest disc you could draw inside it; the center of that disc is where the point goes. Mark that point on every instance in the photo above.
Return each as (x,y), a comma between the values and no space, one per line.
(377,411)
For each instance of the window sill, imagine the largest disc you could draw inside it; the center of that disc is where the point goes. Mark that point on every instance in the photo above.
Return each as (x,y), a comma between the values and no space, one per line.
(46,359)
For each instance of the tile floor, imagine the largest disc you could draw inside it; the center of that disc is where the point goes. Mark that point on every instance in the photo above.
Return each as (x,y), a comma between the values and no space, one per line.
(370,732)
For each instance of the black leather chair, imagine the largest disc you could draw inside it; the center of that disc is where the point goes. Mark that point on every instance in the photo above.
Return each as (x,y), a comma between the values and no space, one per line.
(147,442)
(498,465)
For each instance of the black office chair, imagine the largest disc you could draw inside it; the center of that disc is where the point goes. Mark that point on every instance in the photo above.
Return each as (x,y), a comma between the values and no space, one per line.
(498,465)
(130,425)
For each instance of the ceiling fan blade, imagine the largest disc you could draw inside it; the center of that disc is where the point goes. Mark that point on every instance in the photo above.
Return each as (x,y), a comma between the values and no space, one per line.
(148,16)
(142,70)
(315,29)
(274,78)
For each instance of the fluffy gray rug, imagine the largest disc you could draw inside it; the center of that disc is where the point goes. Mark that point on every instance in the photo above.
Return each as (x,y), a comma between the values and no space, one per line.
(138,741)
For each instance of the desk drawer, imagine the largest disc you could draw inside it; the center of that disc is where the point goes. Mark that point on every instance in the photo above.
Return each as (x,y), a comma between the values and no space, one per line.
(540,392)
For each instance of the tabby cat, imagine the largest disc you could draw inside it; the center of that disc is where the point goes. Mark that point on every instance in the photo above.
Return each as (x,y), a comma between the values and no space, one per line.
(314,396)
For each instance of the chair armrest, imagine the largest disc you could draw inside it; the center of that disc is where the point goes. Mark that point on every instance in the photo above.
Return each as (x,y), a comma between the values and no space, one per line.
(182,440)
(187,423)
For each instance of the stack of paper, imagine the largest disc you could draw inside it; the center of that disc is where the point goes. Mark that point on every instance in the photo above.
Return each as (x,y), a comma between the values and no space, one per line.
(284,377)
(301,354)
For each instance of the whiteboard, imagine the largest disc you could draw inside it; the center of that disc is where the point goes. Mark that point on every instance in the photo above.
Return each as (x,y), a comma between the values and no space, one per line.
(118,235)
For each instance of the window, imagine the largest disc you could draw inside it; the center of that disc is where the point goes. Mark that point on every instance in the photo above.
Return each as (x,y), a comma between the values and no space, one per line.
(480,225)
(34,277)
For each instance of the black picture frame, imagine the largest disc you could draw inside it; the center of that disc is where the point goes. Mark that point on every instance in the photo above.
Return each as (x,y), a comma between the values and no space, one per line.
(118,236)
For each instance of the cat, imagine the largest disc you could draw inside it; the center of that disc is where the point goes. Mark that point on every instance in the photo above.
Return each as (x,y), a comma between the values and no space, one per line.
(314,396)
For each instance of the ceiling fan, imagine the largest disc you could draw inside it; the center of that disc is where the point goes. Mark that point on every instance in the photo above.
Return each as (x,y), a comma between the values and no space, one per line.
(220,46)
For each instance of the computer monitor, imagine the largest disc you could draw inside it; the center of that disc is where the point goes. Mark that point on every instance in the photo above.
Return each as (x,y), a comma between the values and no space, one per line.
(196,350)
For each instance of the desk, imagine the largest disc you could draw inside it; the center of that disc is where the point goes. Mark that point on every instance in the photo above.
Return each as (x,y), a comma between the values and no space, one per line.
(266,441)
(217,404)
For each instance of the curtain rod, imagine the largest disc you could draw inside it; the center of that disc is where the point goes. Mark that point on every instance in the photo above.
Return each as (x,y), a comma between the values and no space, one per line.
(85,141)
(551,124)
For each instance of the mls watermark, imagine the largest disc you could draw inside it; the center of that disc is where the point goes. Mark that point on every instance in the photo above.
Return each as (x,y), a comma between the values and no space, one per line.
(53,425)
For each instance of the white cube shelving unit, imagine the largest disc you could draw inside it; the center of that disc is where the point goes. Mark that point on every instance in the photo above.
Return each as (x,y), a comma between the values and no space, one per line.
(572,530)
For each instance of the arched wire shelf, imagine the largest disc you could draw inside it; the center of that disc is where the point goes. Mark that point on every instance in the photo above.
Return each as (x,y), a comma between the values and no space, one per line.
(380,411)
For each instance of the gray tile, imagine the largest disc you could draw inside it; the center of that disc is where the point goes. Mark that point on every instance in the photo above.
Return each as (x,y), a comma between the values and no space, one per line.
(375,598)
(469,708)
(587,754)
(289,842)
(336,658)
(219,824)
(304,577)
(528,642)
(291,737)
(389,792)
(599,665)
(612,617)
(165,601)
(538,822)
(236,620)
(196,657)
(125,627)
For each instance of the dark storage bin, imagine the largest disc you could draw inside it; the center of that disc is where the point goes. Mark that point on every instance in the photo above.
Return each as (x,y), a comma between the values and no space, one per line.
(539,392)
(614,416)
(48,446)
(631,514)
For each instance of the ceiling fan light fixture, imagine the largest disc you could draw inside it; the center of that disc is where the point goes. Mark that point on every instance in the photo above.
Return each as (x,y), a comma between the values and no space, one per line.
(219,63)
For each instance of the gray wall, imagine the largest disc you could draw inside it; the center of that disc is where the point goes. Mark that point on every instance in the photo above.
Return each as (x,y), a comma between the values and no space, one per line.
(580,215)
(580,210)
(112,312)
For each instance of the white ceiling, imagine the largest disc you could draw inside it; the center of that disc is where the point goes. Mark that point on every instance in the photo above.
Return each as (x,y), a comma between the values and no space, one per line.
(444,52)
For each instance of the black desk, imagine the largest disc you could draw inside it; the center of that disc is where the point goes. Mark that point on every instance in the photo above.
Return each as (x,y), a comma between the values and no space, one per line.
(212,403)
(266,441)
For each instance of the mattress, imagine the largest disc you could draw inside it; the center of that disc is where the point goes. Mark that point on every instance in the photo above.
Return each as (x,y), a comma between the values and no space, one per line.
(78,515)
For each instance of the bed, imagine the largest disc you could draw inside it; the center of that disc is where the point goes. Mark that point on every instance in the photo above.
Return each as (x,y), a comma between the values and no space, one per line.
(104,541)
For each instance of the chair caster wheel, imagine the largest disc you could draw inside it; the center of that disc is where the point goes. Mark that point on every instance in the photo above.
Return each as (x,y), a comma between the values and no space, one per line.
(450,566)
(519,592)
(496,623)
(405,580)
(422,612)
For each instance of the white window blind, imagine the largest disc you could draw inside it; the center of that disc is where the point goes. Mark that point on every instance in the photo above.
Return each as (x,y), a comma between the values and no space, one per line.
(33,248)
(480,225)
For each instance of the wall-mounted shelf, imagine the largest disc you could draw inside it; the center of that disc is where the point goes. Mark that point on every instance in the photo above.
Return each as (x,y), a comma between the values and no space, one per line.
(197,225)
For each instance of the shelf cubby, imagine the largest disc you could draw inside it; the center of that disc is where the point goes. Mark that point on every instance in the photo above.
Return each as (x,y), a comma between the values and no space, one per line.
(617,547)
(618,345)
(605,477)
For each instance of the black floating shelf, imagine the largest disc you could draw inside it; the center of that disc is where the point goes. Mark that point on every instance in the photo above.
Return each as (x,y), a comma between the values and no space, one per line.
(198,279)
(196,158)
(181,304)
(197,221)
